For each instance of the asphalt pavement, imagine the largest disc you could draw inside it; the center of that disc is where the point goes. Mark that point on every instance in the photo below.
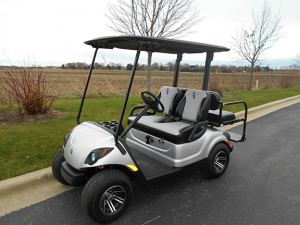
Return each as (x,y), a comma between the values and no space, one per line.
(260,186)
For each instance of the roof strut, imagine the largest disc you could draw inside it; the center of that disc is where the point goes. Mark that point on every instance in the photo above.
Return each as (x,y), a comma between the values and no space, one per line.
(209,58)
(177,68)
(128,91)
(86,86)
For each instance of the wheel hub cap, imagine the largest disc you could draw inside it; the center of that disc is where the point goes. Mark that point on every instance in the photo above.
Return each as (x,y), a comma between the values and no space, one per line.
(112,199)
(220,162)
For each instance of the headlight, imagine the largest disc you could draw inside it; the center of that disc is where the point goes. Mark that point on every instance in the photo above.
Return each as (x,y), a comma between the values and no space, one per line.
(93,156)
(97,154)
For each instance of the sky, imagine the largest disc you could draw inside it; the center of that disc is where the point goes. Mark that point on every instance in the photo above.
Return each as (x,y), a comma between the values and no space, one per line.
(35,32)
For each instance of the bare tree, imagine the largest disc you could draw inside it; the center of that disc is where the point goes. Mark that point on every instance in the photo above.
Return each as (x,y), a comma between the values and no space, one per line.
(297,59)
(154,18)
(250,43)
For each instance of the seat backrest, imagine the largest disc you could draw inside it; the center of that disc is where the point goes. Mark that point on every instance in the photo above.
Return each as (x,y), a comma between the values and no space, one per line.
(194,106)
(168,97)
(214,100)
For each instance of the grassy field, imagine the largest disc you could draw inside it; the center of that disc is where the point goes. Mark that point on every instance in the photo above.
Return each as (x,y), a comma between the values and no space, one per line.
(28,147)
(70,83)
(107,82)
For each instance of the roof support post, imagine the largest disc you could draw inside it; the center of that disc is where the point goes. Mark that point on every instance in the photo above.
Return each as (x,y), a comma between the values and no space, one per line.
(128,90)
(177,68)
(209,58)
(86,86)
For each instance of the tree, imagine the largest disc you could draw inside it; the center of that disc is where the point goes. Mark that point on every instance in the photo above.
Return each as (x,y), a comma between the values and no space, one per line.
(185,67)
(129,66)
(81,65)
(250,43)
(98,65)
(170,66)
(297,59)
(155,66)
(153,18)
(71,66)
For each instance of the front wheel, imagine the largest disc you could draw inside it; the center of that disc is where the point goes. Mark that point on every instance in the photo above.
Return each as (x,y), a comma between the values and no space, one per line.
(218,161)
(107,195)
(56,167)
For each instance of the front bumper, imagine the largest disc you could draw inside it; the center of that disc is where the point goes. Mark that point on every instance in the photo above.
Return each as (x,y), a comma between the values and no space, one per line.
(72,176)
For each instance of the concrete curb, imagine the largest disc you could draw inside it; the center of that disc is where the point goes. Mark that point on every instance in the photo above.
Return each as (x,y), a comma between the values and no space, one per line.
(22,191)
(19,183)
(271,106)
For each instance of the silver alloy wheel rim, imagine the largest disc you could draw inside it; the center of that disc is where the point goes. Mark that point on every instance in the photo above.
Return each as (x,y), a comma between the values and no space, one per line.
(220,162)
(112,200)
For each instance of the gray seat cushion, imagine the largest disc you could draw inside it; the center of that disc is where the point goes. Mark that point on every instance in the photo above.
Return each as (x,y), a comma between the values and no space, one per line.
(214,116)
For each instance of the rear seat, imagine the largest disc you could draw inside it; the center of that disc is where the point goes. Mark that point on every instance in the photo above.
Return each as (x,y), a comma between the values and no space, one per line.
(192,112)
(217,118)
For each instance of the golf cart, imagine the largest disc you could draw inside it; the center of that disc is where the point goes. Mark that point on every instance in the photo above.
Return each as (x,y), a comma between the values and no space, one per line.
(175,131)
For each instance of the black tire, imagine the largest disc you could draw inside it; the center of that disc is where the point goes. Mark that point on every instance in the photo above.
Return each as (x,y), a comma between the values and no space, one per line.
(218,161)
(56,167)
(106,195)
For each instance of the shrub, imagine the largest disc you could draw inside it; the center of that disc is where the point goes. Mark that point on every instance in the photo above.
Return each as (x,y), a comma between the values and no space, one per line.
(28,88)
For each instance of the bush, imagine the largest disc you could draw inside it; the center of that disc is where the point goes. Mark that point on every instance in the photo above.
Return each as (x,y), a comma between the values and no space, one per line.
(28,88)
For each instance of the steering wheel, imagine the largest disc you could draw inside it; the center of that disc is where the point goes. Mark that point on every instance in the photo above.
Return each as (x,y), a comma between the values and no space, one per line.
(152,101)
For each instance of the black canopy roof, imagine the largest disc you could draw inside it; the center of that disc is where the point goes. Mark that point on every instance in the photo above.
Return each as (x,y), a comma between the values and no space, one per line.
(154,44)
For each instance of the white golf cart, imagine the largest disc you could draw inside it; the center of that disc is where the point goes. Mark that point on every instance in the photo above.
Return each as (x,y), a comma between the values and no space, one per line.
(184,135)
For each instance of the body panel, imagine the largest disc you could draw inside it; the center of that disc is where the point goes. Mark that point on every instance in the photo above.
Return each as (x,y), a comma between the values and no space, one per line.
(175,155)
(86,137)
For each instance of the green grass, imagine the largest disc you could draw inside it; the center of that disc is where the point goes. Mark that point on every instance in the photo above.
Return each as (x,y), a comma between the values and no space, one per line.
(258,97)
(29,147)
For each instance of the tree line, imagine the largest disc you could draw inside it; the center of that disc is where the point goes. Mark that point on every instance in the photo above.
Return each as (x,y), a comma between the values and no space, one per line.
(185,67)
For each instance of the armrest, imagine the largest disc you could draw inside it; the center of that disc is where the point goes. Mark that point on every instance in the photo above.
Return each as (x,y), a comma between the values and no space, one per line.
(198,131)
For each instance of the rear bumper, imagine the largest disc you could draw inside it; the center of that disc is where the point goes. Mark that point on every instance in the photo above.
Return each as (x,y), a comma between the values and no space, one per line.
(72,176)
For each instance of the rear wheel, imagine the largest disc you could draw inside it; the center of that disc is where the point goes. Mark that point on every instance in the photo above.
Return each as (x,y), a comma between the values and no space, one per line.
(218,161)
(107,195)
(56,167)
